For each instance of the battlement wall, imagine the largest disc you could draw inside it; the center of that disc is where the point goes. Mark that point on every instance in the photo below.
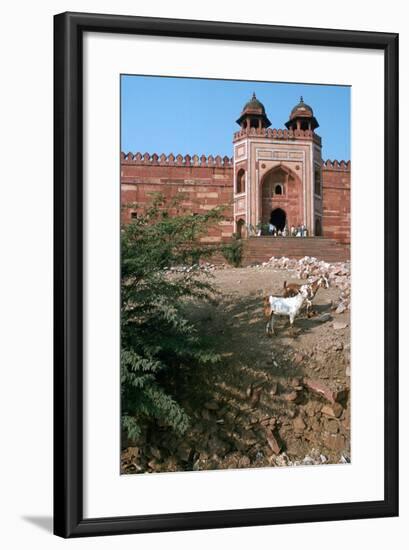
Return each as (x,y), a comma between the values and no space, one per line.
(200,183)
(277,133)
(154,159)
(343,165)
(207,181)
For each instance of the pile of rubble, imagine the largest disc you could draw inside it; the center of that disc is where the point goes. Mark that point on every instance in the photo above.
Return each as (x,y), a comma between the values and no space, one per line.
(310,426)
(309,268)
(313,458)
(203,266)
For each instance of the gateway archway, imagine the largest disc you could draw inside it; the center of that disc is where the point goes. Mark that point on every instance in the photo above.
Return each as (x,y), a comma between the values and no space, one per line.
(278,218)
(282,194)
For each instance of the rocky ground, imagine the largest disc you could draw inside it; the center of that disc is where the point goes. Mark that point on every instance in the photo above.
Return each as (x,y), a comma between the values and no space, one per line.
(275,401)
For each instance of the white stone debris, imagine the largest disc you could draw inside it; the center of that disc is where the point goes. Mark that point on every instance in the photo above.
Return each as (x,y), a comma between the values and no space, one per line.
(312,459)
(338,274)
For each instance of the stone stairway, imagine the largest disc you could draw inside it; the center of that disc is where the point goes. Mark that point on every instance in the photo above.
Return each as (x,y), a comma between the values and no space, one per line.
(261,249)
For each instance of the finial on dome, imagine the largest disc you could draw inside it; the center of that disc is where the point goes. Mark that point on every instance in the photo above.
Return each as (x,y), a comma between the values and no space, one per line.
(253,113)
(302,117)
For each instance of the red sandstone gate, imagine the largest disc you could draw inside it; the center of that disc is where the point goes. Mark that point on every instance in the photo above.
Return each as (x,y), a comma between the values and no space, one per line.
(281,195)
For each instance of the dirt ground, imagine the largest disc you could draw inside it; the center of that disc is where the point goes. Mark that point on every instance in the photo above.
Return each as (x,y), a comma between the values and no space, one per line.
(273,401)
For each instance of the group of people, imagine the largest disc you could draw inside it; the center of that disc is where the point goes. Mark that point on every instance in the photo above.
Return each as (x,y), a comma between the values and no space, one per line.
(299,231)
(271,229)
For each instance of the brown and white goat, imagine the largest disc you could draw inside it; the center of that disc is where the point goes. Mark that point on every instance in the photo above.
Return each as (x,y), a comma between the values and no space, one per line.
(278,305)
(293,289)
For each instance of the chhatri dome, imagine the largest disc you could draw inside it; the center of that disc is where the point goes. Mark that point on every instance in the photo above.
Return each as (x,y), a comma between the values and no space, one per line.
(253,115)
(302,117)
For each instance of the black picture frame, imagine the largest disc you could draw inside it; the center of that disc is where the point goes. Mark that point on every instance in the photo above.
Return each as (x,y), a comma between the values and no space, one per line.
(68,274)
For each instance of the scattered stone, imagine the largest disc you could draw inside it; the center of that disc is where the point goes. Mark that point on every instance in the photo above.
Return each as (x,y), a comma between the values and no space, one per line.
(268,421)
(244,462)
(131,453)
(255,397)
(272,442)
(274,388)
(335,442)
(334,410)
(298,424)
(282,460)
(154,464)
(219,438)
(170,465)
(320,388)
(291,396)
(311,408)
(332,426)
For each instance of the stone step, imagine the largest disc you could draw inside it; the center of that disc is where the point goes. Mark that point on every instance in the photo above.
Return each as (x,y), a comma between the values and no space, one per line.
(261,249)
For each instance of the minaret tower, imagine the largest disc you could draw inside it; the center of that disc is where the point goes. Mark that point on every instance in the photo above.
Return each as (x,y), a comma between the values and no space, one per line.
(277,172)
(253,115)
(302,117)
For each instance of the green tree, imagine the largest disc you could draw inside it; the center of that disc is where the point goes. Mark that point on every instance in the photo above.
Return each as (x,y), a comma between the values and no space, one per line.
(233,250)
(156,335)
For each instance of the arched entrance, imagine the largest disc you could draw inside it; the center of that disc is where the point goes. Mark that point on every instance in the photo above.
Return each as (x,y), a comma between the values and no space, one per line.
(278,218)
(240,228)
(281,194)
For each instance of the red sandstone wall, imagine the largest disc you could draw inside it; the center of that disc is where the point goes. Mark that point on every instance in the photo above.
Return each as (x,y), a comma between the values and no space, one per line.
(202,183)
(207,182)
(336,181)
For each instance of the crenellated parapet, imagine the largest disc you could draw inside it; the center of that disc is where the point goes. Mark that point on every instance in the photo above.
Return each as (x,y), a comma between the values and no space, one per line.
(154,159)
(343,165)
(277,133)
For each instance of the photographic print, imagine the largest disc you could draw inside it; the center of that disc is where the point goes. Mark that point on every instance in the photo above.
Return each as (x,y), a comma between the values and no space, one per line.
(202,274)
(235,274)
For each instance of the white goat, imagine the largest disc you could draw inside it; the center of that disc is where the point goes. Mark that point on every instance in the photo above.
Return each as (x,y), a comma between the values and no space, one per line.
(277,305)
(293,289)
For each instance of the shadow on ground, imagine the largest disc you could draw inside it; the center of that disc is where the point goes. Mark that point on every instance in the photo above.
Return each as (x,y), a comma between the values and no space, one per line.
(43,522)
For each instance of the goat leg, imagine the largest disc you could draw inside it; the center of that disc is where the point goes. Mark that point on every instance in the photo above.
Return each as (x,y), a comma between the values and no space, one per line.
(270,326)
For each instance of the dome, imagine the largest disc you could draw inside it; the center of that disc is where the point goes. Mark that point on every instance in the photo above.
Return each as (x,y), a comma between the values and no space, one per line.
(301,110)
(255,111)
(254,106)
(302,117)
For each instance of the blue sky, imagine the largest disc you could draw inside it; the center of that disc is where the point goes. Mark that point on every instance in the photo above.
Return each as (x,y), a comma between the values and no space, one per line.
(197,116)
